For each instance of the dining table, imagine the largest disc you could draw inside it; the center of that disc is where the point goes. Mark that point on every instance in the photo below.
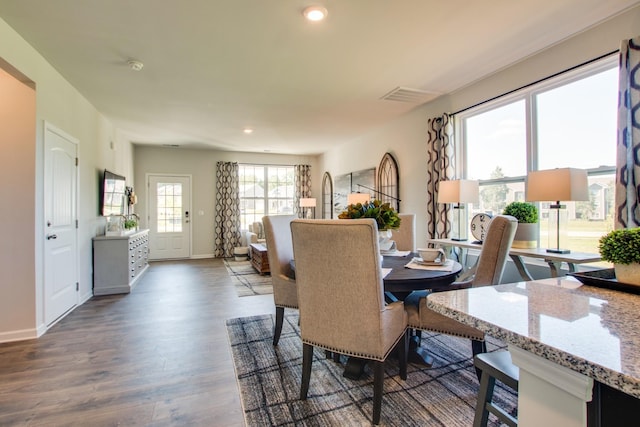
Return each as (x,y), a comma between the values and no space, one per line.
(401,277)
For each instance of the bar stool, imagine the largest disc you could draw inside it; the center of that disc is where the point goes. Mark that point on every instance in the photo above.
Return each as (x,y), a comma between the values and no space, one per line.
(494,366)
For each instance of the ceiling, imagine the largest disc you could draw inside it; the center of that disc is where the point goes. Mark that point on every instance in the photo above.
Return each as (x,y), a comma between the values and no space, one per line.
(215,67)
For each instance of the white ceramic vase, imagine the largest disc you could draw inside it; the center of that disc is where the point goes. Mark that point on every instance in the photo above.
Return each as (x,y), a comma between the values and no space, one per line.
(628,273)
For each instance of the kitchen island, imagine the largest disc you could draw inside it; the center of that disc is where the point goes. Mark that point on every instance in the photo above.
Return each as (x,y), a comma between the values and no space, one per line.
(577,347)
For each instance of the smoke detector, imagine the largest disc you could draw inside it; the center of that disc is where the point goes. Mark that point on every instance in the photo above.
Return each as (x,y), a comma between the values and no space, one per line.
(135,64)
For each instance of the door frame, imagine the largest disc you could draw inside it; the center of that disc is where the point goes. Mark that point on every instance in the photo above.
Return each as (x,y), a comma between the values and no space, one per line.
(147,214)
(48,127)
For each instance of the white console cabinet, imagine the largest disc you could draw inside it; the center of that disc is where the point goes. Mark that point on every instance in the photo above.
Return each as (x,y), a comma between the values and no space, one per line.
(119,261)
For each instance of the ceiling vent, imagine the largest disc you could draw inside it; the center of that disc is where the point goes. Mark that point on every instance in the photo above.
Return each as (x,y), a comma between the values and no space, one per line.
(405,94)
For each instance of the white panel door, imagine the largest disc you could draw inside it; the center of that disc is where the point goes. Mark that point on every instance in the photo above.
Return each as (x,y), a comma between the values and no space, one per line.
(169,216)
(60,221)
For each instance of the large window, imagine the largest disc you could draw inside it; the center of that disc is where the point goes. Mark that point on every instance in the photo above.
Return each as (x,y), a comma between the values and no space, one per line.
(265,190)
(567,121)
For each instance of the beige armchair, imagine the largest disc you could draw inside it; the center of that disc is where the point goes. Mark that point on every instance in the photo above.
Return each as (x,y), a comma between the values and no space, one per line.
(405,236)
(489,269)
(280,253)
(340,294)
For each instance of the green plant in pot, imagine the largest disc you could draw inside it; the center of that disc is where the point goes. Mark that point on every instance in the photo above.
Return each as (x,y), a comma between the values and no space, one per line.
(622,248)
(528,231)
(130,224)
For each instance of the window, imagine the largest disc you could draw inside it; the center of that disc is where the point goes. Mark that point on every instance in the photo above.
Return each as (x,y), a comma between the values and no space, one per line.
(567,121)
(265,190)
(169,207)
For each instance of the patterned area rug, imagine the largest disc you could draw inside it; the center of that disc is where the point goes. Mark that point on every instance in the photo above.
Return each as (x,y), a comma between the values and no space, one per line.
(247,280)
(269,381)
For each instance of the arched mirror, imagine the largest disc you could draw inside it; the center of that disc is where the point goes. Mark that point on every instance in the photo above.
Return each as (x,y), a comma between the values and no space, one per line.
(388,181)
(327,196)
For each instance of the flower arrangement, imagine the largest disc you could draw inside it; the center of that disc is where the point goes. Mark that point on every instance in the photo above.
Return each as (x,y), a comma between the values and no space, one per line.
(386,217)
(621,246)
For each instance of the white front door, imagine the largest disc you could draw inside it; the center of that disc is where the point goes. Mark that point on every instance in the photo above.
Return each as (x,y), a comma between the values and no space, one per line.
(60,222)
(169,216)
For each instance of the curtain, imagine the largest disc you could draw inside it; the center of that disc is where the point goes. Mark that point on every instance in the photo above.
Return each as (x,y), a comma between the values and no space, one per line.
(440,166)
(302,183)
(227,225)
(628,146)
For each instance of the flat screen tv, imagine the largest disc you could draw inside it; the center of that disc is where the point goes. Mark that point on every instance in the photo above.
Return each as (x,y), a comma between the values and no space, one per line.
(112,197)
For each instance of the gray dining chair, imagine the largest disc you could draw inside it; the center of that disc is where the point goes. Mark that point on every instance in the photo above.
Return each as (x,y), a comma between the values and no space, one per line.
(489,270)
(405,235)
(341,300)
(280,253)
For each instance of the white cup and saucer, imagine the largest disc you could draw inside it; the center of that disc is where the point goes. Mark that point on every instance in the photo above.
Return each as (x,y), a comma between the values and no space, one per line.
(432,256)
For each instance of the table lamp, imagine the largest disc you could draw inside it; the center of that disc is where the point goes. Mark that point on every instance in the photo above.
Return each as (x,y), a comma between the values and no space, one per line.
(554,185)
(459,192)
(355,198)
(310,204)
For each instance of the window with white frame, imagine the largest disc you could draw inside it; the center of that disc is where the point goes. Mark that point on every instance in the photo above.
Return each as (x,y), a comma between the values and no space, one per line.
(566,121)
(265,190)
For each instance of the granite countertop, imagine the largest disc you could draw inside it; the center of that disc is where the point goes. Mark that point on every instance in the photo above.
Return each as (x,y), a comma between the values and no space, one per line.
(590,330)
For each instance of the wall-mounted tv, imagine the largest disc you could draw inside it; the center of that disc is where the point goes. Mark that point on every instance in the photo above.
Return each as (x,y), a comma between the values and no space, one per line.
(112,196)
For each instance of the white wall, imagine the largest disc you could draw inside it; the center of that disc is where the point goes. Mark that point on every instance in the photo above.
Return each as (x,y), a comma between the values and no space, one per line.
(201,165)
(58,103)
(405,138)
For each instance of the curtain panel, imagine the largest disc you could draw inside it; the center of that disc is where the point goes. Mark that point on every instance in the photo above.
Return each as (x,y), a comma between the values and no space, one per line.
(440,166)
(628,145)
(227,225)
(302,184)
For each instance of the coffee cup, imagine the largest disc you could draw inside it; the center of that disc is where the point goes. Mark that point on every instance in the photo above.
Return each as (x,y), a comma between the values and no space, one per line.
(432,255)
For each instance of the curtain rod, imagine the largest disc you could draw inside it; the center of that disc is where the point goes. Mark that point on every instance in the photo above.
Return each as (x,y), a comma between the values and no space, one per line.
(613,52)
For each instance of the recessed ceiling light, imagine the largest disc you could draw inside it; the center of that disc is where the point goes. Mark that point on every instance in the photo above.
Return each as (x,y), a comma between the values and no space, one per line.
(315,13)
(248,131)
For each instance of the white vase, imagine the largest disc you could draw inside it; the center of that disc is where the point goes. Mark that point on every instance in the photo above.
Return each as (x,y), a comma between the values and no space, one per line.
(384,240)
(628,273)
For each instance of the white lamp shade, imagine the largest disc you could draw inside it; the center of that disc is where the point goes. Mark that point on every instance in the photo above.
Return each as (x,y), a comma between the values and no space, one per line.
(458,191)
(308,202)
(355,198)
(564,184)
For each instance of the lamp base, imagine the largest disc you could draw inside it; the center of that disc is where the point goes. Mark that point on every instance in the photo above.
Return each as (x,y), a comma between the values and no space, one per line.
(558,251)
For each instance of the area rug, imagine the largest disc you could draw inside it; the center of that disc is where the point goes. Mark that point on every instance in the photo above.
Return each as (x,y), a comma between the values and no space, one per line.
(269,382)
(246,279)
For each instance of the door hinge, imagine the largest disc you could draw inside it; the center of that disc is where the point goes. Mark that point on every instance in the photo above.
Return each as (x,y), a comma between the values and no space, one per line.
(76,223)
(77,286)
(76,161)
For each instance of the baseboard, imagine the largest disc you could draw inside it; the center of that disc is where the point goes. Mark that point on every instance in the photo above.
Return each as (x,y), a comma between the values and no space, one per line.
(21,335)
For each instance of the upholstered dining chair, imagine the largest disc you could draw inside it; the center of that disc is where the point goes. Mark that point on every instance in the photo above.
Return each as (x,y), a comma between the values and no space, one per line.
(489,270)
(341,301)
(277,232)
(405,236)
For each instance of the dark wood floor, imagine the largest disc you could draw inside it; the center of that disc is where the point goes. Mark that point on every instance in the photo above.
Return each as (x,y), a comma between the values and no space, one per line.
(158,356)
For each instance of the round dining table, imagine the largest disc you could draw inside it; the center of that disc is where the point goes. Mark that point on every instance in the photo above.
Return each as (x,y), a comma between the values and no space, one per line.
(399,283)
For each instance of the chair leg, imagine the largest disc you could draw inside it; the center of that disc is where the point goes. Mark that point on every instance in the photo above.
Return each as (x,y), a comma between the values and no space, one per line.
(485,395)
(478,347)
(378,389)
(403,352)
(278,327)
(307,360)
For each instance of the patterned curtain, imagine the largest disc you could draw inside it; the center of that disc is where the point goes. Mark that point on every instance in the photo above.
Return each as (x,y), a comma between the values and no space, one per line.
(440,166)
(302,183)
(227,227)
(628,147)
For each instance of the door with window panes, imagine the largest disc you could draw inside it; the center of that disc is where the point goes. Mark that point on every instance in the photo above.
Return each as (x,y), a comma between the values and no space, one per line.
(169,216)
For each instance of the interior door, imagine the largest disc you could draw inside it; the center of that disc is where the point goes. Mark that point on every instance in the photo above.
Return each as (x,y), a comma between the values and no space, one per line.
(60,222)
(169,216)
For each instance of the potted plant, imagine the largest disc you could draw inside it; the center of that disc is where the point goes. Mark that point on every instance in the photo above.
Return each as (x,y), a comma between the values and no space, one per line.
(622,248)
(527,232)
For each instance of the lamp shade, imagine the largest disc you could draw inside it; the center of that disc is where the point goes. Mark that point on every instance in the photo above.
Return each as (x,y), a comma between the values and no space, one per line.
(355,198)
(564,184)
(458,191)
(308,202)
